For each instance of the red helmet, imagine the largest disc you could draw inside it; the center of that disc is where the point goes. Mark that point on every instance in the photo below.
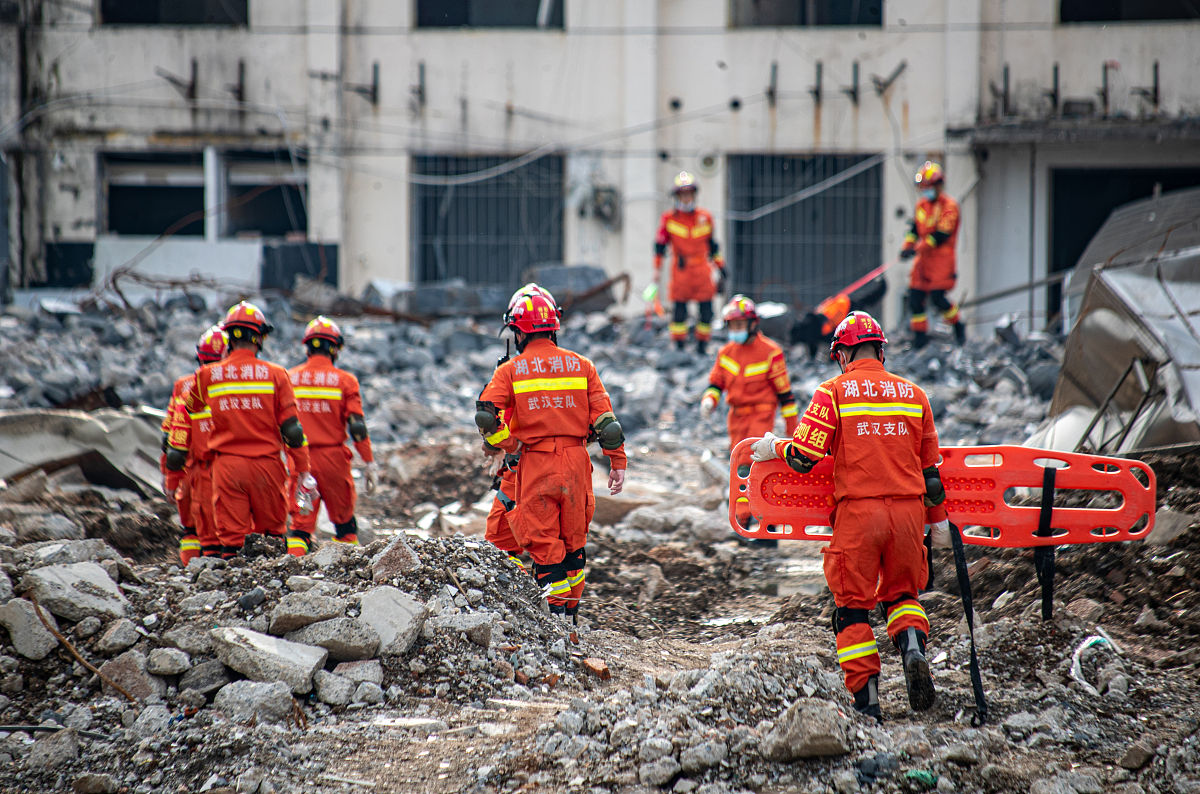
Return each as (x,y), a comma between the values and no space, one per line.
(212,345)
(858,327)
(533,312)
(246,317)
(739,308)
(531,289)
(323,328)
(930,174)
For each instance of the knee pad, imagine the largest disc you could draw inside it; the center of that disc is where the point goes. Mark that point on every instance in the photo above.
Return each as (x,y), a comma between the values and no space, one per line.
(575,560)
(916,301)
(844,618)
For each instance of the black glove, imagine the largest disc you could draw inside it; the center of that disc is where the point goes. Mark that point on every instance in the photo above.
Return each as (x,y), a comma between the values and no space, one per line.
(907,253)
(721,280)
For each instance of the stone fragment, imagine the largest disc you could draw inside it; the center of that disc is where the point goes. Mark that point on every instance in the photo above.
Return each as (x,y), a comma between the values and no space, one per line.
(62,552)
(119,636)
(702,756)
(26,632)
(204,601)
(369,693)
(476,625)
(261,657)
(597,667)
(1168,525)
(88,627)
(168,661)
(809,728)
(331,554)
(53,750)
(192,640)
(359,672)
(1136,756)
(296,610)
(76,591)
(658,773)
(333,689)
(1086,609)
(6,588)
(346,639)
(205,677)
(47,527)
(395,616)
(397,558)
(654,748)
(960,753)
(252,599)
(1068,783)
(129,672)
(622,733)
(93,783)
(300,584)
(264,701)
(153,719)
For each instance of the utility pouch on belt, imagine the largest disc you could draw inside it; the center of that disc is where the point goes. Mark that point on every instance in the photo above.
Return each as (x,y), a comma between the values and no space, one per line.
(608,431)
(487,416)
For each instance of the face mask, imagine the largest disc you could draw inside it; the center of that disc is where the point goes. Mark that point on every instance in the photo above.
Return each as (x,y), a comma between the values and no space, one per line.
(685,206)
(930,194)
(739,336)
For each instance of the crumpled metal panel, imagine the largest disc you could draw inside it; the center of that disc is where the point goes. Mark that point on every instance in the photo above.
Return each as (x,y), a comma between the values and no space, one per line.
(1149,313)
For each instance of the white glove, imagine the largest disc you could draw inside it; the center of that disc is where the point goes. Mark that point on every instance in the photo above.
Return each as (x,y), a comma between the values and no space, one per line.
(306,492)
(941,533)
(764,449)
(708,404)
(371,476)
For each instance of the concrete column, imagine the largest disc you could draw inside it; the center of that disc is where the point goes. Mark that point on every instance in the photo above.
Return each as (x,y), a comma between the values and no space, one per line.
(214,195)
(963,51)
(640,176)
(326,180)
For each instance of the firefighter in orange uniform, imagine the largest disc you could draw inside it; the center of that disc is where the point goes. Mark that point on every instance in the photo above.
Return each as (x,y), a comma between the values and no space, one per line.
(253,417)
(752,373)
(547,401)
(186,487)
(688,231)
(931,240)
(880,432)
(329,404)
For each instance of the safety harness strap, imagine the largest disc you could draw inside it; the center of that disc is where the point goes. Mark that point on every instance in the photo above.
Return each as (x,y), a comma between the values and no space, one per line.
(964,588)
(1043,556)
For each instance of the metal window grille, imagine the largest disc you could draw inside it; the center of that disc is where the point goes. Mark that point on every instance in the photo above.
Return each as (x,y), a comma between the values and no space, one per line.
(487,232)
(803,253)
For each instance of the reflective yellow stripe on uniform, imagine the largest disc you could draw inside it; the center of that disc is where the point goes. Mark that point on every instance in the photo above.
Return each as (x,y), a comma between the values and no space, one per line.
(907,609)
(498,437)
(319,392)
(241,387)
(297,543)
(677,328)
(516,561)
(882,409)
(577,579)
(857,651)
(757,368)
(677,228)
(561,587)
(700,231)
(549,384)
(189,544)
(205,414)
(790,410)
(729,364)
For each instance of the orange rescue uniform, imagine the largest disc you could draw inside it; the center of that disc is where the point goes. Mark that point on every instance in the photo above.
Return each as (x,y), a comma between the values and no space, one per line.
(176,482)
(933,236)
(880,430)
(326,398)
(689,235)
(249,400)
(754,378)
(549,398)
(197,471)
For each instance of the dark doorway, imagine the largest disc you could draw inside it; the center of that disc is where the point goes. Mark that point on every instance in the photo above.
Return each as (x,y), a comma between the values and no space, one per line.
(1082,198)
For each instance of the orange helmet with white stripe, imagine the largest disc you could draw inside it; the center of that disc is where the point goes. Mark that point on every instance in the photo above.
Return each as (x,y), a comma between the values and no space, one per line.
(212,345)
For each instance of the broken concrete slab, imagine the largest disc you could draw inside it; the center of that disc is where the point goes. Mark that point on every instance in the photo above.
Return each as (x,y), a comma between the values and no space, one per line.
(346,639)
(129,672)
(369,670)
(810,728)
(333,689)
(397,558)
(54,750)
(296,610)
(396,617)
(261,657)
(26,632)
(52,526)
(205,677)
(76,591)
(263,701)
(1168,525)
(168,661)
(62,552)
(477,626)
(120,635)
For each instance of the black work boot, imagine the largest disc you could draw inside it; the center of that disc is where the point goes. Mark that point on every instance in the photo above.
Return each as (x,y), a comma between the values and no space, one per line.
(911,644)
(701,346)
(866,700)
(920,339)
(960,334)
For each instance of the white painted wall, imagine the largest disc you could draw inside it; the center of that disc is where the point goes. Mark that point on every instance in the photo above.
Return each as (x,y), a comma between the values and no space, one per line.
(600,91)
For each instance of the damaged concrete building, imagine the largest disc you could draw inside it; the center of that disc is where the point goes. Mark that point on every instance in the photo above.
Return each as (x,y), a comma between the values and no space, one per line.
(363,141)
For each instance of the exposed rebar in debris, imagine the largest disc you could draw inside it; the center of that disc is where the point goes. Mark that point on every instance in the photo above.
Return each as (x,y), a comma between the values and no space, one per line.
(67,644)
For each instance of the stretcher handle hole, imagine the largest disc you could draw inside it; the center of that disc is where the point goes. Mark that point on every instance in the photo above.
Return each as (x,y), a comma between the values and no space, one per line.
(743,470)
(1107,468)
(1079,498)
(991,459)
(1051,463)
(779,529)
(1055,532)
(1140,475)
(991,533)
(822,531)
(1105,532)
(1141,525)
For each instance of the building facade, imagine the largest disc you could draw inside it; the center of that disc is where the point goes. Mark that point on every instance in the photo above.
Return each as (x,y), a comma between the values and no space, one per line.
(417,140)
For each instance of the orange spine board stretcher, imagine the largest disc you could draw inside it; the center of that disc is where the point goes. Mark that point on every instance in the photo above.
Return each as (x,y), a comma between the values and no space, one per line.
(977,480)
